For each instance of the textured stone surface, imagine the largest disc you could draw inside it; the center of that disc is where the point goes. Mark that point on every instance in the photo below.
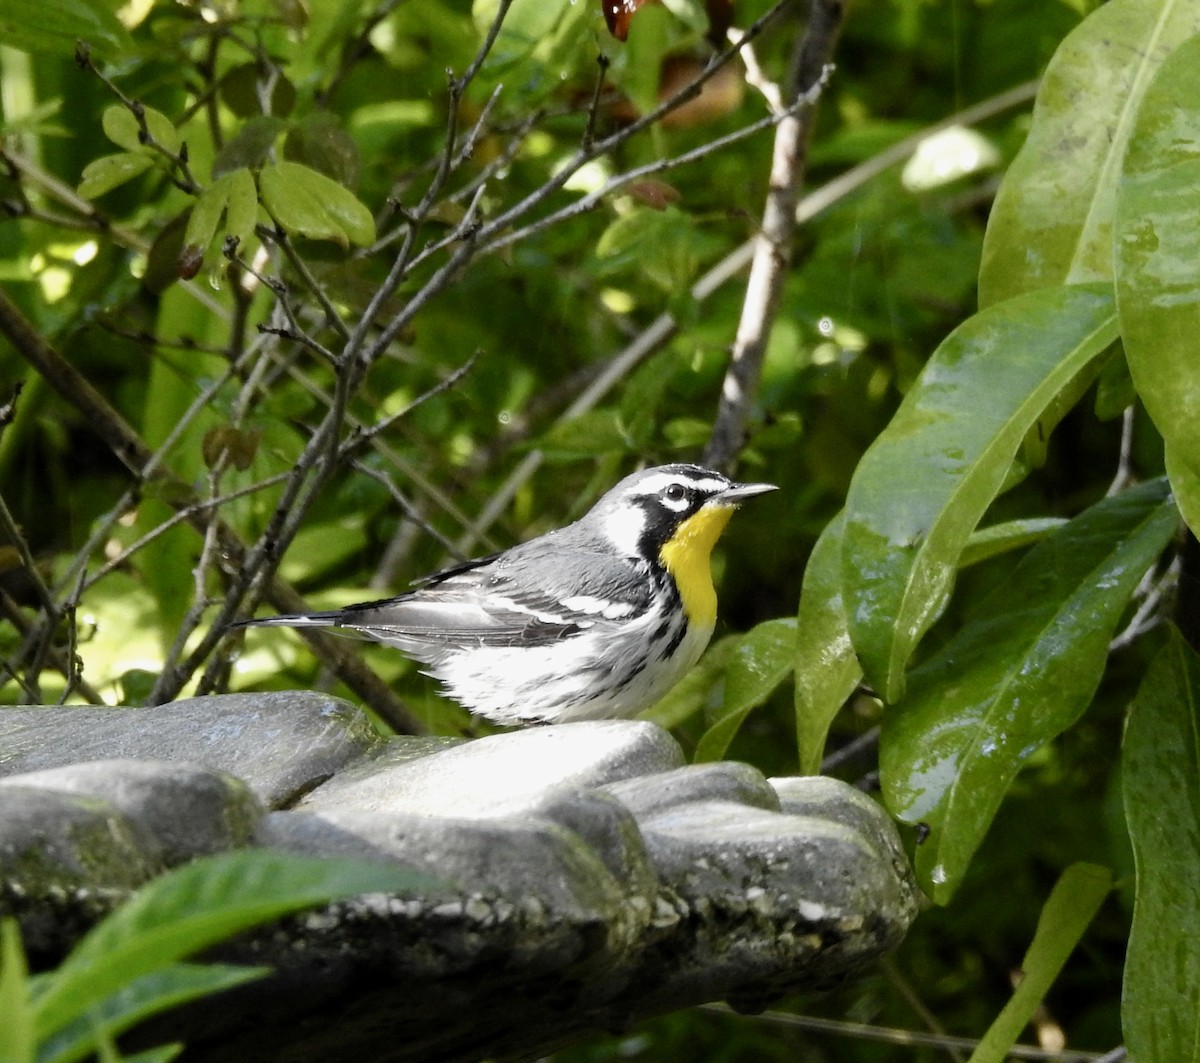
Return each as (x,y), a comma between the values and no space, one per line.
(181,810)
(504,774)
(280,745)
(584,877)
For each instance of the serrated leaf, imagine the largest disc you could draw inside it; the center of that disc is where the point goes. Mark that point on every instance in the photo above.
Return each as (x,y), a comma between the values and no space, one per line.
(1160,776)
(1051,223)
(1021,669)
(762,659)
(1158,272)
(195,906)
(107,172)
(951,447)
(827,668)
(55,27)
(1072,904)
(309,204)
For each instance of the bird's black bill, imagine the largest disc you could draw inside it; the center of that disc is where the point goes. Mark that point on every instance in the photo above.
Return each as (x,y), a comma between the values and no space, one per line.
(735,493)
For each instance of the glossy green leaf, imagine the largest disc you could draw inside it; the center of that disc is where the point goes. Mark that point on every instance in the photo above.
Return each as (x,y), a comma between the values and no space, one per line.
(55,27)
(147,996)
(827,669)
(1072,904)
(1161,782)
(16,1031)
(997,539)
(193,907)
(107,172)
(1020,670)
(307,203)
(1185,483)
(1158,270)
(124,130)
(927,479)
(761,660)
(1052,220)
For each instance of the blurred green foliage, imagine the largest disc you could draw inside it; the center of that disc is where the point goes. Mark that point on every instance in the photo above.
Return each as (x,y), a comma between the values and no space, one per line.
(204,208)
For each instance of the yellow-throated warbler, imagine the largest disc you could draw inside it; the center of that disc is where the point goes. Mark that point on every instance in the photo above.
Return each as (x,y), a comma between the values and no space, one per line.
(597,619)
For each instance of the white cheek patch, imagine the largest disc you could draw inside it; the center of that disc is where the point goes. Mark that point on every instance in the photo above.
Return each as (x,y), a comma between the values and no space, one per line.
(624,527)
(586,603)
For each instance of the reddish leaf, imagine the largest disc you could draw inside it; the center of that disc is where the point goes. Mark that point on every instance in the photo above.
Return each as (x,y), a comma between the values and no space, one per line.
(619,13)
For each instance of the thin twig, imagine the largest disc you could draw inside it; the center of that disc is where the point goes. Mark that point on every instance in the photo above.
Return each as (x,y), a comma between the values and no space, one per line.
(773,246)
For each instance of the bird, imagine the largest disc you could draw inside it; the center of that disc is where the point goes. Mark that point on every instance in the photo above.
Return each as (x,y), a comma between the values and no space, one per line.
(594,620)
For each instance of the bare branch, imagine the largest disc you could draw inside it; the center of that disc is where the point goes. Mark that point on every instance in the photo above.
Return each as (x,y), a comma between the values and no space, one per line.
(773,246)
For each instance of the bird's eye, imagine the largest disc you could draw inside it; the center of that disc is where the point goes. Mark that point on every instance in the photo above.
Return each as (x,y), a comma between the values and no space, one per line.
(676,493)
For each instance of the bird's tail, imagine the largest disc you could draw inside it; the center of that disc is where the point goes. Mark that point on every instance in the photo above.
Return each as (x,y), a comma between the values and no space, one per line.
(329,619)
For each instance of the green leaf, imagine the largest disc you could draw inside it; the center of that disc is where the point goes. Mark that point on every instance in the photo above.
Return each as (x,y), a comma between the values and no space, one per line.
(123,129)
(205,217)
(665,246)
(827,669)
(1072,904)
(193,907)
(1185,483)
(249,146)
(591,434)
(16,1031)
(54,27)
(545,39)
(1052,220)
(139,1000)
(320,141)
(107,172)
(999,539)
(1158,272)
(242,210)
(927,479)
(762,659)
(307,203)
(1021,669)
(1160,775)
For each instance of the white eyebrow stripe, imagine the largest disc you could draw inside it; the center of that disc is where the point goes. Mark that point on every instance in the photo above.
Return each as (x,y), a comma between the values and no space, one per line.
(653,485)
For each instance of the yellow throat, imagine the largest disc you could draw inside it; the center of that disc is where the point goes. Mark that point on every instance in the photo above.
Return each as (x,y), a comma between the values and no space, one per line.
(687,556)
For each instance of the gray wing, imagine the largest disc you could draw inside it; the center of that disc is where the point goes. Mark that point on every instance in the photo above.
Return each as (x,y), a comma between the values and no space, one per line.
(523,597)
